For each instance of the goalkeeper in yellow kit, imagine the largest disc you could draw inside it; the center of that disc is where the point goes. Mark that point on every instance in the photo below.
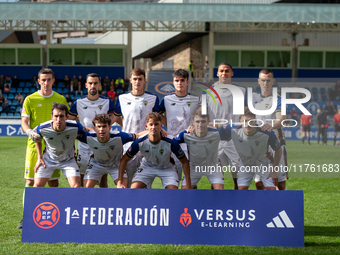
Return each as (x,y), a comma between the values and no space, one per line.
(37,109)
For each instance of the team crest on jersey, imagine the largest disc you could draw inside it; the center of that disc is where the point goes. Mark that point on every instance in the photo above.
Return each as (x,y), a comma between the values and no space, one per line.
(257,143)
(67,136)
(100,107)
(267,105)
(112,147)
(189,103)
(161,151)
(145,103)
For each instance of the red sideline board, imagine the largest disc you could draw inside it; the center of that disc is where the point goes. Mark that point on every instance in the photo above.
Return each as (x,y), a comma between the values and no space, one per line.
(152,216)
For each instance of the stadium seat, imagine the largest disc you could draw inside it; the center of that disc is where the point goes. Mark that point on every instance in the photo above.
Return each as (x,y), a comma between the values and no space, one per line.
(314,90)
(66,90)
(3,114)
(258,90)
(13,108)
(17,115)
(77,97)
(26,90)
(315,97)
(28,84)
(18,109)
(10,96)
(10,115)
(322,90)
(21,84)
(20,90)
(84,91)
(24,95)
(9,101)
(60,84)
(13,90)
(5,95)
(0,108)
(15,103)
(323,97)
(32,90)
(72,96)
(59,90)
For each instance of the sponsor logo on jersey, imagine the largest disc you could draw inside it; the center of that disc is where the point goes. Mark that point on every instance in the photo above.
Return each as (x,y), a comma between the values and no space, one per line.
(165,88)
(67,136)
(161,151)
(189,103)
(267,105)
(185,218)
(173,104)
(257,143)
(85,107)
(145,103)
(100,107)
(46,215)
(39,105)
(128,103)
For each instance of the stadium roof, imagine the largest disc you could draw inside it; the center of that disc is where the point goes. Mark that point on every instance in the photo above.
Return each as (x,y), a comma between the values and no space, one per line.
(169,17)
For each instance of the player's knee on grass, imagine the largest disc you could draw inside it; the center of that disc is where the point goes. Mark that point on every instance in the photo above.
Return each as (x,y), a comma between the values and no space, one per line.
(243,187)
(282,185)
(29,183)
(89,183)
(103,182)
(270,188)
(40,182)
(138,185)
(217,186)
(259,185)
(53,183)
(171,187)
(125,181)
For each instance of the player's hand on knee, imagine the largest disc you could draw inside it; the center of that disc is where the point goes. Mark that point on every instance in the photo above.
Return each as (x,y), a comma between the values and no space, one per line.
(121,185)
(34,136)
(39,163)
(274,176)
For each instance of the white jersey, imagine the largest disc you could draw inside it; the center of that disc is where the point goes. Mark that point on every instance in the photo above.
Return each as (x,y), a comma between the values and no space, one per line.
(135,109)
(202,151)
(224,111)
(86,109)
(179,111)
(265,103)
(253,150)
(110,152)
(156,155)
(60,144)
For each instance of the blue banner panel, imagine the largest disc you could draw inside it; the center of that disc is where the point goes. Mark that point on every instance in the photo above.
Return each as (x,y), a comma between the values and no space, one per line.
(11,130)
(154,216)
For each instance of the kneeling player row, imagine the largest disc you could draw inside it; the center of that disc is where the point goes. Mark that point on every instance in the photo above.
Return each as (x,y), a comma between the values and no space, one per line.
(156,148)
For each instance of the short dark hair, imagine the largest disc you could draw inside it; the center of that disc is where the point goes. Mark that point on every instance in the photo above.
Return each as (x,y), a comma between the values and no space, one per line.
(267,71)
(46,71)
(61,107)
(137,71)
(93,75)
(198,113)
(155,116)
(248,113)
(181,73)
(225,64)
(101,118)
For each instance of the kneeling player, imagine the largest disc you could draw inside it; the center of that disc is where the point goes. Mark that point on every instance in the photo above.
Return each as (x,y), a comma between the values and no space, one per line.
(107,147)
(59,135)
(202,142)
(156,162)
(252,145)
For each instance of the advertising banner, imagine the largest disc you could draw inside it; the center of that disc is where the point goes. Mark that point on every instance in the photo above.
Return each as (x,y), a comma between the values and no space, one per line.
(153,216)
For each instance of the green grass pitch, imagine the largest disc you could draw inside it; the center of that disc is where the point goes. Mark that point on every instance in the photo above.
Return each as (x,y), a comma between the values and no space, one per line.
(321,195)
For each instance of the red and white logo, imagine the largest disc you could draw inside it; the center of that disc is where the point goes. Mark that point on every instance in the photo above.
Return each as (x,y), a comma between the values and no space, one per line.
(46,215)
